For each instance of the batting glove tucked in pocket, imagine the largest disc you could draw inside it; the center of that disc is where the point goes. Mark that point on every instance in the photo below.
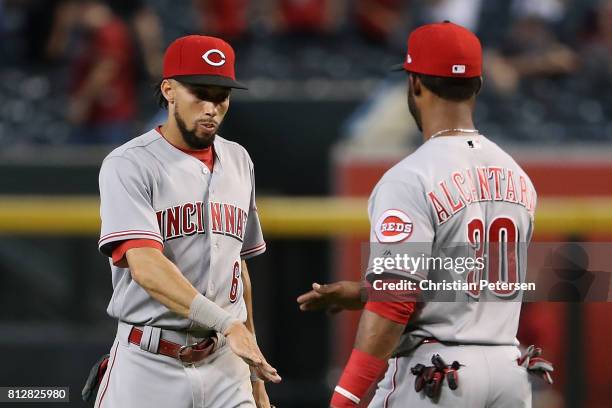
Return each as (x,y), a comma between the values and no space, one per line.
(535,364)
(430,378)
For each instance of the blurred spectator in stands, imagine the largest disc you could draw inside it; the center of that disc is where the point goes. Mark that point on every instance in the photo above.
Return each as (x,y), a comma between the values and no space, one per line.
(56,24)
(462,12)
(102,96)
(380,20)
(597,44)
(143,22)
(532,48)
(228,19)
(304,16)
(147,31)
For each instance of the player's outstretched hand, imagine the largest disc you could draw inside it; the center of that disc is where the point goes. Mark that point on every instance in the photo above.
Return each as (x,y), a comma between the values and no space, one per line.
(243,344)
(333,297)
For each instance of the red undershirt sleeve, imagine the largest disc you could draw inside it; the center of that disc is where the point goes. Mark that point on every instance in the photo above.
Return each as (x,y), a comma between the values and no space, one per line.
(120,250)
(398,312)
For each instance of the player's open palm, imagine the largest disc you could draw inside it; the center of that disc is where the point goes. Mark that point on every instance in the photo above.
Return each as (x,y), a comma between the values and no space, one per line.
(243,344)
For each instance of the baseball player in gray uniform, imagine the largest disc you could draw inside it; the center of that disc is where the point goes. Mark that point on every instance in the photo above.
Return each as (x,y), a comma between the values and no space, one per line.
(457,188)
(178,221)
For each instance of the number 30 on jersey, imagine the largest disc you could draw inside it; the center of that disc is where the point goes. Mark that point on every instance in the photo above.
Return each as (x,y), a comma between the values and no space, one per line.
(499,241)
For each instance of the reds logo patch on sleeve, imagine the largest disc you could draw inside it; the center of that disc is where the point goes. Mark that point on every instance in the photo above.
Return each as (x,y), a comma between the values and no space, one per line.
(393,226)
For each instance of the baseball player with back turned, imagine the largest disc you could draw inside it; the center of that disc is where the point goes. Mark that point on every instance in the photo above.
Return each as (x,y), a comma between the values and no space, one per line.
(178,221)
(458,187)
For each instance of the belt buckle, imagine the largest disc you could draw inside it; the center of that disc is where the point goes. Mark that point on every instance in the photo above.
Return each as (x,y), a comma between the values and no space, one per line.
(183,351)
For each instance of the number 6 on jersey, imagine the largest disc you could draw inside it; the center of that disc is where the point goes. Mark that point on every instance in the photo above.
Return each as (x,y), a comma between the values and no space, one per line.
(233,294)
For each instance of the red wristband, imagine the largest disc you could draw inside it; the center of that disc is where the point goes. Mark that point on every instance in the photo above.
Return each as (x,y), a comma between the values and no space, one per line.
(361,371)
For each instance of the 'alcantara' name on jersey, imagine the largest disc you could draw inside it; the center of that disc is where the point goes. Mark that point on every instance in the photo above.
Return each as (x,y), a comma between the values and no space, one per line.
(480,184)
(189,219)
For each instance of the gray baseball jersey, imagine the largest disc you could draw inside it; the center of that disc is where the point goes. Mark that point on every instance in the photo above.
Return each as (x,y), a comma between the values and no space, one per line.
(206,222)
(459,192)
(458,195)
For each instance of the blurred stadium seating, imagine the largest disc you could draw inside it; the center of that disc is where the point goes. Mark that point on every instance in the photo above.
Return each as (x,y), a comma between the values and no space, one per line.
(544,109)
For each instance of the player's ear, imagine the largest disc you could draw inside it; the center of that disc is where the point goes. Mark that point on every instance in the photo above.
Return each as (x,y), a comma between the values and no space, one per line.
(168,90)
(479,85)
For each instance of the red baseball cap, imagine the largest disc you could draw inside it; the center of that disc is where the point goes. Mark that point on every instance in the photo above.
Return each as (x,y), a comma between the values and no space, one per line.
(201,60)
(443,50)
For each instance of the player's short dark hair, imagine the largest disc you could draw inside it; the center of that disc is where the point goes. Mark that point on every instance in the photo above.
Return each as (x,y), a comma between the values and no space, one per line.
(161,99)
(454,89)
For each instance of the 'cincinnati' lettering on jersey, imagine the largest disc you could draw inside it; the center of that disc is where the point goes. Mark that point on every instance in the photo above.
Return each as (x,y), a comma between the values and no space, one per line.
(468,186)
(188,219)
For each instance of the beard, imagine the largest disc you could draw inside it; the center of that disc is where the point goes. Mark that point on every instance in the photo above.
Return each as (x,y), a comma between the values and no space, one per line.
(190,137)
(414,111)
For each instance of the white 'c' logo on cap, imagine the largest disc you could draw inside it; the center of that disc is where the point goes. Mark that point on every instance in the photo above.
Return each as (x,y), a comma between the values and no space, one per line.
(206,57)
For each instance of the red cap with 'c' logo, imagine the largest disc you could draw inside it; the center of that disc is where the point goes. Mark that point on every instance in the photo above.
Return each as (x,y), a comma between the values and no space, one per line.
(443,50)
(201,60)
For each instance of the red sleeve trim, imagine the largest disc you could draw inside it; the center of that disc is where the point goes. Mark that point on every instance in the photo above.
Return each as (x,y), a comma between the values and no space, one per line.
(247,253)
(398,312)
(128,232)
(120,250)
